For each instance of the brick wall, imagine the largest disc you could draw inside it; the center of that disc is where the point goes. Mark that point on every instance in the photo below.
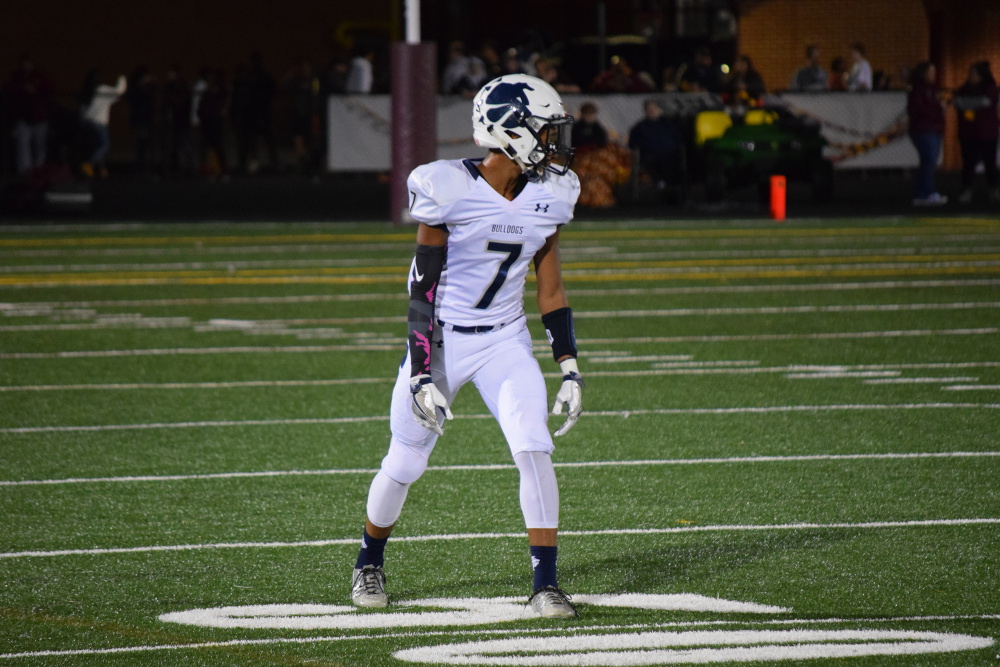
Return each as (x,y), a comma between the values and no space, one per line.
(896,33)
(775,34)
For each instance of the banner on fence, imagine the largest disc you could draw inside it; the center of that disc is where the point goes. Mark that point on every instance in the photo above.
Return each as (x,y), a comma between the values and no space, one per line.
(864,131)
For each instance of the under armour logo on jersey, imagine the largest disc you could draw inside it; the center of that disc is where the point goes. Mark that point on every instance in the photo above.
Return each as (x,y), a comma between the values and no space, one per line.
(541,208)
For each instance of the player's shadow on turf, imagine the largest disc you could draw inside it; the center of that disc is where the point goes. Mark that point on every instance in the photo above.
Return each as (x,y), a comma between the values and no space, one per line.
(498,567)
(687,565)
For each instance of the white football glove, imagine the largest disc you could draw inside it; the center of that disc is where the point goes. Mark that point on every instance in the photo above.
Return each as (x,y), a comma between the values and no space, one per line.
(570,395)
(427,399)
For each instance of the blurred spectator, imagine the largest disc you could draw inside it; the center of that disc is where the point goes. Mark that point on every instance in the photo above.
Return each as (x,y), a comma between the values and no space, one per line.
(587,130)
(464,74)
(669,79)
(304,89)
(859,78)
(926,114)
(335,77)
(141,97)
(881,80)
(745,86)
(976,104)
(619,78)
(529,47)
(212,119)
(28,96)
(178,144)
(253,114)
(812,77)
(701,75)
(96,99)
(549,72)
(659,142)
(837,81)
(456,69)
(490,58)
(473,79)
(198,88)
(600,163)
(361,74)
(905,74)
(511,63)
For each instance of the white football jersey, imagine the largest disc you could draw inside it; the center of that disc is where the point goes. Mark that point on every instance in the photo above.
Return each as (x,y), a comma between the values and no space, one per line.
(491,240)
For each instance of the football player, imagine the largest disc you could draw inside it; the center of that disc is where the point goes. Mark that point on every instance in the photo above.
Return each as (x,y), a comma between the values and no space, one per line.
(482,223)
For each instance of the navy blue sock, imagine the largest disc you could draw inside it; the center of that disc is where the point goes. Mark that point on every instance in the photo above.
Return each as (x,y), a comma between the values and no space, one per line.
(543,561)
(372,551)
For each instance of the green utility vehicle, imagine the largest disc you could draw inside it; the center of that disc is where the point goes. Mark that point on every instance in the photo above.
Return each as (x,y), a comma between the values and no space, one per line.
(763,143)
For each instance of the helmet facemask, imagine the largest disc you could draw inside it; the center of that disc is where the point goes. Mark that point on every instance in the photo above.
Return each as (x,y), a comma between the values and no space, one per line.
(554,150)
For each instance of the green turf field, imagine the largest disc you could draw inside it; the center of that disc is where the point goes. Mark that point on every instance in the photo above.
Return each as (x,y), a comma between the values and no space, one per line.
(789,450)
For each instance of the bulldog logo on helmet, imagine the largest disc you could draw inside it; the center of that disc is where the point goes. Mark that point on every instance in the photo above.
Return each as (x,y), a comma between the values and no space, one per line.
(502,97)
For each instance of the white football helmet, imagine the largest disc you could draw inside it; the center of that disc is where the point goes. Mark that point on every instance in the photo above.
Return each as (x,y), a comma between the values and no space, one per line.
(524,117)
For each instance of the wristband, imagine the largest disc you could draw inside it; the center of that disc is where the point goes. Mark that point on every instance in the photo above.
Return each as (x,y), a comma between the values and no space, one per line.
(559,330)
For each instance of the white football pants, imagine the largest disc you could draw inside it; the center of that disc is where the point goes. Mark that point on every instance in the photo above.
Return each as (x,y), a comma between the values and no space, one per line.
(501,366)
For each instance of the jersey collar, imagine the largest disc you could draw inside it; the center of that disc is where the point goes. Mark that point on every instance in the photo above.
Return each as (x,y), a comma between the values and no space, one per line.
(470,165)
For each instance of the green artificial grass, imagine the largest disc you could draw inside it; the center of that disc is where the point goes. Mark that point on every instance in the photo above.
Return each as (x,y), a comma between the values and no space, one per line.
(801,415)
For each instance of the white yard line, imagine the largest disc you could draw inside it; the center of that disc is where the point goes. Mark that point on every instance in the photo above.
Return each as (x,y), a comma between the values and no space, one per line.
(109,322)
(623,414)
(88,354)
(606,253)
(904,456)
(207,424)
(927,523)
(228,265)
(924,366)
(14,307)
(602,272)
(922,380)
(693,365)
(846,335)
(786,310)
(571,254)
(199,385)
(769,289)
(661,359)
(276,327)
(243,250)
(841,375)
(492,632)
(642,340)
(733,367)
(973,387)
(788,408)
(712,269)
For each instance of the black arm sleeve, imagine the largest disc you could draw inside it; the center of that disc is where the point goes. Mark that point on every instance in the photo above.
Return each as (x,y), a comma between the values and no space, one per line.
(427,267)
(559,330)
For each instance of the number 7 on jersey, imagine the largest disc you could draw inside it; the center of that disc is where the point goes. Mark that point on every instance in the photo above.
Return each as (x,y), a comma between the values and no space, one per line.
(513,251)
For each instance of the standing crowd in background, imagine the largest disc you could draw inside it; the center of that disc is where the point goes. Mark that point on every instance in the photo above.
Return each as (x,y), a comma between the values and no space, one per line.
(179,127)
(854,75)
(182,127)
(975,102)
